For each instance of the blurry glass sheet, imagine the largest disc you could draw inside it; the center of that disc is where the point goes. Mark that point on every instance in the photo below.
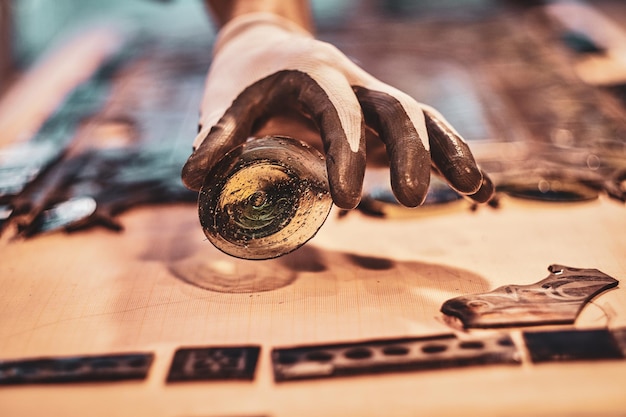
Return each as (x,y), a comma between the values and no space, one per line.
(507,85)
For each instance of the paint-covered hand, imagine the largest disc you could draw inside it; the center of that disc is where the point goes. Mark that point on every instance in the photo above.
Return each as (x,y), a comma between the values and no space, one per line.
(264,64)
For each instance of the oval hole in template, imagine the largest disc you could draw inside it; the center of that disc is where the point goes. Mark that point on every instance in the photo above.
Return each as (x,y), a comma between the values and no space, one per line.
(358,353)
(395,350)
(434,348)
(505,341)
(471,344)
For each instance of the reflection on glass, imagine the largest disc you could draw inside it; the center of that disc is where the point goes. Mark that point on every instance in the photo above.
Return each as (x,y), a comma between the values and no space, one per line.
(265,198)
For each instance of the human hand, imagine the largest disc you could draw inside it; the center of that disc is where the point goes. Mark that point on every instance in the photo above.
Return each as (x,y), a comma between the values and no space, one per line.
(264,64)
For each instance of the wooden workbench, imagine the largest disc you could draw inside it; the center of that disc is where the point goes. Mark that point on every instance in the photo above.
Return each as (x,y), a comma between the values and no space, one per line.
(160,285)
(359,278)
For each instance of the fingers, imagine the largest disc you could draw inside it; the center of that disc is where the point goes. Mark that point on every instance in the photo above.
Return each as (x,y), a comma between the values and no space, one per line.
(338,116)
(451,156)
(342,130)
(486,190)
(396,120)
(409,158)
(399,121)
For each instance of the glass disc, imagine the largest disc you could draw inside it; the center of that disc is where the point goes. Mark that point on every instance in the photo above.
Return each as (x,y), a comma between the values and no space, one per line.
(265,198)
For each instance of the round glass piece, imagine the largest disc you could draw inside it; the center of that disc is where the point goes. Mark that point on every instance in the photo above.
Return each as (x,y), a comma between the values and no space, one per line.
(265,198)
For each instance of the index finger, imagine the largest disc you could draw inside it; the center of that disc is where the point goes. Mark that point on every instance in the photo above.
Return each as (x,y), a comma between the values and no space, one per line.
(233,129)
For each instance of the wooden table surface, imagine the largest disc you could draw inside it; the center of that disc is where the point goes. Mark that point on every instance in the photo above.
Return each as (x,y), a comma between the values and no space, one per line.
(100,292)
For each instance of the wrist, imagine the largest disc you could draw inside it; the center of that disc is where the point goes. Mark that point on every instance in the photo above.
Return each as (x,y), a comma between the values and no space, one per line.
(296,11)
(243,23)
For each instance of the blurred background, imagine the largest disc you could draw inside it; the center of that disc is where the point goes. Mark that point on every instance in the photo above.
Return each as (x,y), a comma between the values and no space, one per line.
(28,27)
(536,86)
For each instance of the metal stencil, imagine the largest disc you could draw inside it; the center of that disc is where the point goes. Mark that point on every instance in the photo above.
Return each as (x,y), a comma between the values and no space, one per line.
(571,345)
(99,368)
(214,363)
(620,337)
(391,355)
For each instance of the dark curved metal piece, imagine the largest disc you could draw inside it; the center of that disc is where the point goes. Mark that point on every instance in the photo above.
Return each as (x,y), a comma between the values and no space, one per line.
(556,299)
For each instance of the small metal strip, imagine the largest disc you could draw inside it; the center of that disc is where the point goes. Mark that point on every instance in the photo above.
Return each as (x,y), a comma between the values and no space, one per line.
(392,355)
(214,363)
(620,337)
(572,345)
(101,368)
